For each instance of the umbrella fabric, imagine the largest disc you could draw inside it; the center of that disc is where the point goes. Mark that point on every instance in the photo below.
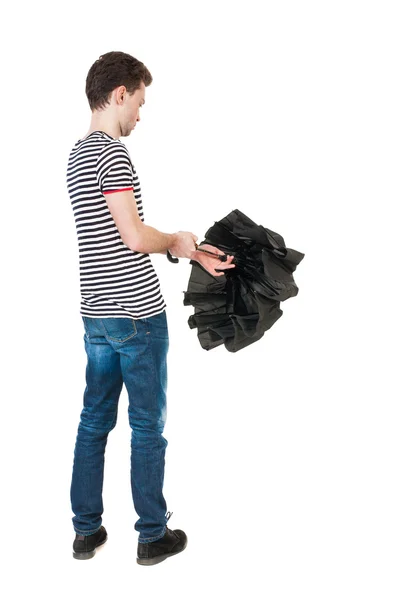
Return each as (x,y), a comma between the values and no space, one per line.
(236,309)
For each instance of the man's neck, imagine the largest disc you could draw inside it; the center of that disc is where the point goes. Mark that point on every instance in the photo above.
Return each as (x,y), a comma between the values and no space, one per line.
(106,128)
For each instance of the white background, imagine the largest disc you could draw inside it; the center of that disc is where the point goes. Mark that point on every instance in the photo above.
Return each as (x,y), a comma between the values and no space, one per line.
(283,458)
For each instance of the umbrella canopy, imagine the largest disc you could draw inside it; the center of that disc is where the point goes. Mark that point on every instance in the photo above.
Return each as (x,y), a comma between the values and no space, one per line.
(236,309)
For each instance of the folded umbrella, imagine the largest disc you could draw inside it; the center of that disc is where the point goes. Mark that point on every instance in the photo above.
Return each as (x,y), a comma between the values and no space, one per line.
(236,309)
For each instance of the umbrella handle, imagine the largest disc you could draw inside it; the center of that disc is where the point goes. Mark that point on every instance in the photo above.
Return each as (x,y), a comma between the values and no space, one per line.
(171,258)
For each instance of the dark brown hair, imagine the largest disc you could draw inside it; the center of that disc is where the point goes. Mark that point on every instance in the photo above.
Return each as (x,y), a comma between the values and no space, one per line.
(110,71)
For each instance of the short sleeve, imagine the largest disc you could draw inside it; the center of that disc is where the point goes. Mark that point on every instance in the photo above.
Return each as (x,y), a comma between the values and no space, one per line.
(114,169)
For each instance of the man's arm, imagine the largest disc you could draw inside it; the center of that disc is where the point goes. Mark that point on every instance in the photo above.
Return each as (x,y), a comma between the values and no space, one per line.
(134,233)
(143,238)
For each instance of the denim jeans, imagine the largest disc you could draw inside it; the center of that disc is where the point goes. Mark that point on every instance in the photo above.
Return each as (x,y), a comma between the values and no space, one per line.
(131,351)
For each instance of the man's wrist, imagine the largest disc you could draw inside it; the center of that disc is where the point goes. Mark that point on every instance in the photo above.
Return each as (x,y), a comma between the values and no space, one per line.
(172,241)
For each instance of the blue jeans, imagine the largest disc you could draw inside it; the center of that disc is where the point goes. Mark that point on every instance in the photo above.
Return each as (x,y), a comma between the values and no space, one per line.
(131,351)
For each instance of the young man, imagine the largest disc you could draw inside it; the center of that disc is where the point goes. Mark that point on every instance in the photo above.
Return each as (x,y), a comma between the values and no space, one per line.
(123,312)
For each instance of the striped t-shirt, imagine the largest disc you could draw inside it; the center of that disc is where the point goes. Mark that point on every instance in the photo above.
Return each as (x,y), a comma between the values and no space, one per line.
(115,281)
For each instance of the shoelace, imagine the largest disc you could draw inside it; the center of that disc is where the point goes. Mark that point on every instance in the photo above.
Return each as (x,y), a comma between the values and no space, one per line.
(169,515)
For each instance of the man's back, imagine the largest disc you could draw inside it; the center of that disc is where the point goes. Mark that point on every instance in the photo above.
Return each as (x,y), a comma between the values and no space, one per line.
(115,281)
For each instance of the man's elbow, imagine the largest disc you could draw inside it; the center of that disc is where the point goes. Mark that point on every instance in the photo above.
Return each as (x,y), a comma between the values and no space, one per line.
(134,241)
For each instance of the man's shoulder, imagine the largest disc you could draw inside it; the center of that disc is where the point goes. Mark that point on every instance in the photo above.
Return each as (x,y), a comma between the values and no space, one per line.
(115,147)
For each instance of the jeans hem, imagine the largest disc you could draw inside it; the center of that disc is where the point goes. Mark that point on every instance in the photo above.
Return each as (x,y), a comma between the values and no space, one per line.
(153,539)
(86,532)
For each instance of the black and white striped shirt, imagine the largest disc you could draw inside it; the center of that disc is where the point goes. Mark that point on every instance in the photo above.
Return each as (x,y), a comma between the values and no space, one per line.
(115,281)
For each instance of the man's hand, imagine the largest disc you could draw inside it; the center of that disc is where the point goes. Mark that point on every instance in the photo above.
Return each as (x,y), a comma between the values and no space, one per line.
(210,263)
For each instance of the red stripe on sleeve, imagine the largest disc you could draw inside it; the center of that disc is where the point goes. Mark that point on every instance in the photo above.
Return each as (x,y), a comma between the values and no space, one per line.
(121,190)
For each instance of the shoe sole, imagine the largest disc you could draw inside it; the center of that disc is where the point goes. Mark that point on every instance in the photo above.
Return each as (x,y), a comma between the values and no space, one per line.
(157,559)
(90,554)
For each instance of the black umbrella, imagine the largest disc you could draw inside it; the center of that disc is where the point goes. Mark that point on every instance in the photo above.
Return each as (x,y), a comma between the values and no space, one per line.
(237,308)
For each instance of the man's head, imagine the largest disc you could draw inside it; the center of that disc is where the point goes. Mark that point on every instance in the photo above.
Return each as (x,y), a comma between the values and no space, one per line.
(115,88)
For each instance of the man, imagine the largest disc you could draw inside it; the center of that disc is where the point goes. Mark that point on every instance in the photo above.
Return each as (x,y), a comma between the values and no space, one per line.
(123,312)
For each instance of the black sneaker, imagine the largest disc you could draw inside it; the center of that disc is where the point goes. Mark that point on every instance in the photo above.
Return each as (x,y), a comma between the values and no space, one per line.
(85,545)
(152,553)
